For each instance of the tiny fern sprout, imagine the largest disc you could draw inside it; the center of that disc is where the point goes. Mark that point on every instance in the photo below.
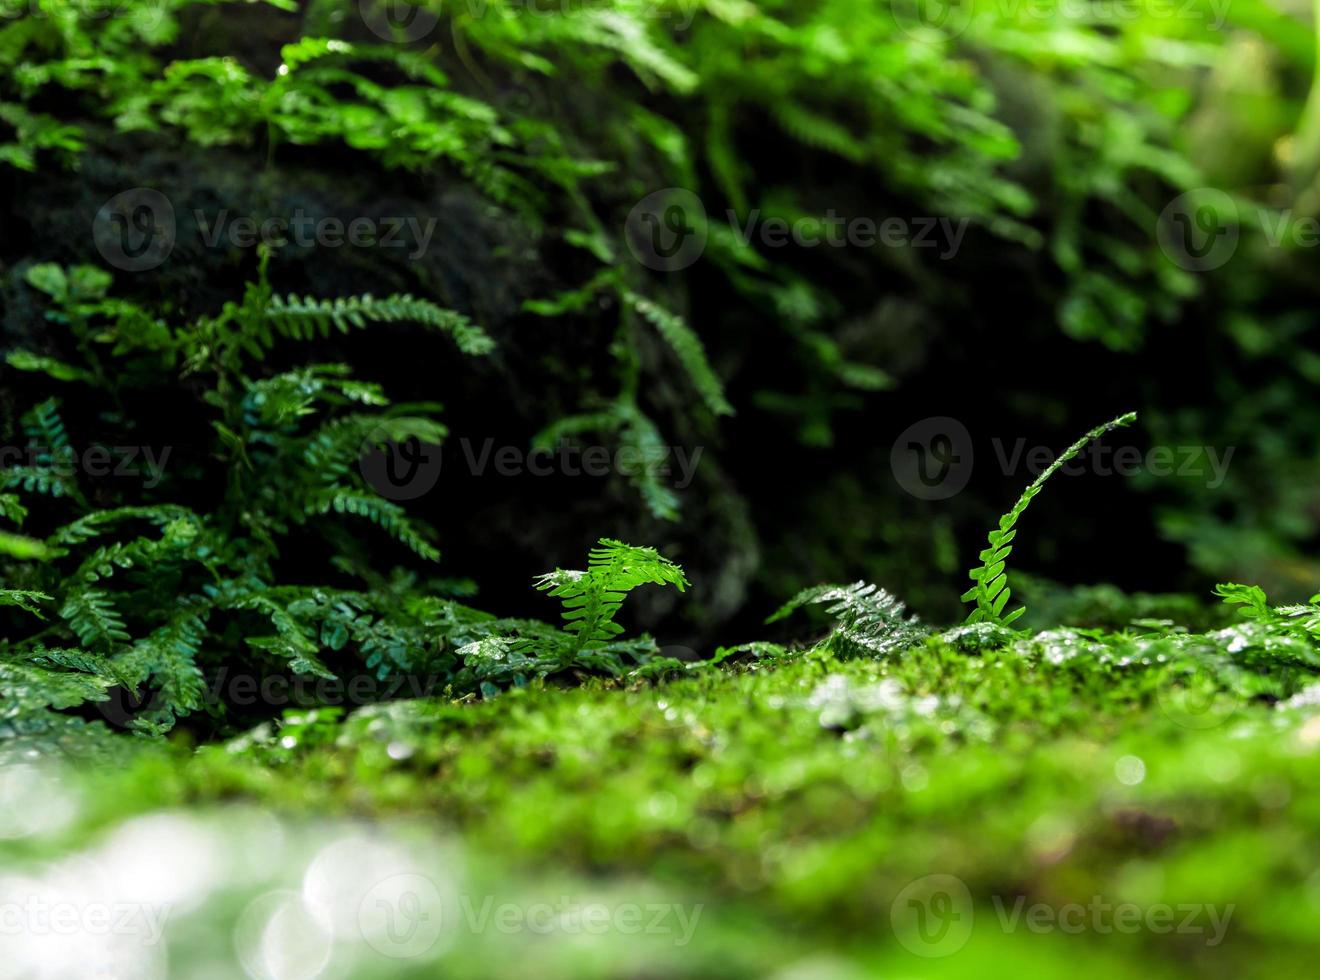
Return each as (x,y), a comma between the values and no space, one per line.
(991,592)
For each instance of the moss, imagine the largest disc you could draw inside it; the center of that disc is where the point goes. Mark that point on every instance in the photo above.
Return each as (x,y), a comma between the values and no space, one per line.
(797,800)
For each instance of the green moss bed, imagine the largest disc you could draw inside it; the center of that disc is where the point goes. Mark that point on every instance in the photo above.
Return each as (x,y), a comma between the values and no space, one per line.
(983,802)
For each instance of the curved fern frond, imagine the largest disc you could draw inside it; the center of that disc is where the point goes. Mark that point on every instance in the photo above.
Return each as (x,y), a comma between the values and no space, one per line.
(991,592)
(98,522)
(686,345)
(385,514)
(305,318)
(592,598)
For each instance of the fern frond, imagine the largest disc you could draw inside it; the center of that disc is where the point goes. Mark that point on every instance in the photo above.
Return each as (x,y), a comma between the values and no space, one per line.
(25,599)
(305,318)
(22,360)
(868,616)
(11,509)
(39,480)
(167,658)
(1252,598)
(291,642)
(592,598)
(991,592)
(92,616)
(45,429)
(26,688)
(333,450)
(686,345)
(385,514)
(99,522)
(640,435)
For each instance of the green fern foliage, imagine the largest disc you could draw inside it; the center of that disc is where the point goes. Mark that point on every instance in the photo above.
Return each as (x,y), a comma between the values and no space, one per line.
(152,595)
(28,600)
(305,318)
(91,615)
(866,617)
(593,597)
(991,592)
(687,347)
(1301,620)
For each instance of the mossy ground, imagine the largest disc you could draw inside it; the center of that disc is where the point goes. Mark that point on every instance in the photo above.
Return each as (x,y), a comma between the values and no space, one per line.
(794,802)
